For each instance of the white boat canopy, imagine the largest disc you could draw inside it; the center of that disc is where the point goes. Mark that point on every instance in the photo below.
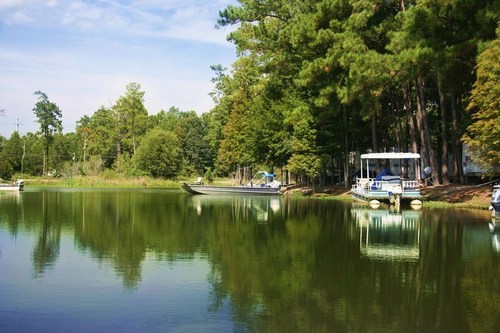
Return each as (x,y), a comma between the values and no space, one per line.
(390,156)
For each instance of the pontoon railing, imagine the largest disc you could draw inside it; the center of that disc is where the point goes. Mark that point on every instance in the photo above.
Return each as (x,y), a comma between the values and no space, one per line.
(368,184)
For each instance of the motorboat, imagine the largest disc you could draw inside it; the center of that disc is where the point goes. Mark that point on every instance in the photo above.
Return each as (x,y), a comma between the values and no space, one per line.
(396,182)
(495,209)
(18,185)
(495,200)
(262,183)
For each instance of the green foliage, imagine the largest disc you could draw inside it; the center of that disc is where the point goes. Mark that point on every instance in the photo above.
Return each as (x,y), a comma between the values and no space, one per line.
(13,151)
(131,118)
(92,167)
(103,136)
(345,62)
(124,165)
(33,150)
(191,131)
(49,117)
(6,170)
(305,164)
(209,176)
(159,154)
(483,135)
(313,81)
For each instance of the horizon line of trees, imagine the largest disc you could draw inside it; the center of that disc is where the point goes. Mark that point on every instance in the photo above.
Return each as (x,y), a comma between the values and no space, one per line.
(313,82)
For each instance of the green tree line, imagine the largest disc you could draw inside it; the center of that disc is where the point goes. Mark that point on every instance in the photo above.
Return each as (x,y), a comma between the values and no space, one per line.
(313,83)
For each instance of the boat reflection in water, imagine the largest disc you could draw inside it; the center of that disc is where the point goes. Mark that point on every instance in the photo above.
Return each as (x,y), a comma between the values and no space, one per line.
(495,241)
(494,227)
(11,196)
(388,234)
(254,207)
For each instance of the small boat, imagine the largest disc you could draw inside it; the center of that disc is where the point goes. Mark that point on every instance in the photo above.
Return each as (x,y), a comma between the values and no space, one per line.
(495,199)
(495,204)
(18,185)
(395,183)
(262,183)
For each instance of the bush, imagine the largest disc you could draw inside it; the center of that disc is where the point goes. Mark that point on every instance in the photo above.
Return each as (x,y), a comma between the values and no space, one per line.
(6,170)
(159,154)
(209,176)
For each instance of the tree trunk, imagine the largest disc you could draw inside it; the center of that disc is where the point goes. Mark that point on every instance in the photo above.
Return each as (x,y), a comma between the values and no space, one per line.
(426,135)
(410,121)
(133,131)
(84,150)
(374,131)
(347,179)
(46,160)
(24,156)
(420,129)
(444,133)
(458,171)
(399,128)
(238,174)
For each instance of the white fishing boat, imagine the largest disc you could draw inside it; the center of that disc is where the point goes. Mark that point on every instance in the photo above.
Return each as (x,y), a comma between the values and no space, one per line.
(262,183)
(395,183)
(18,185)
(495,209)
(495,201)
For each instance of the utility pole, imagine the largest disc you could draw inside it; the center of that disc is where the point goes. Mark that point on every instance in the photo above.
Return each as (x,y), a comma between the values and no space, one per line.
(18,124)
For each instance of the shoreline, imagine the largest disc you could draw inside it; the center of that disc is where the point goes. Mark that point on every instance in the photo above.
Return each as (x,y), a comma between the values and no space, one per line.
(453,195)
(439,196)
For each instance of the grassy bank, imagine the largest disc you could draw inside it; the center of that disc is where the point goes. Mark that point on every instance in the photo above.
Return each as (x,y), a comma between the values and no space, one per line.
(103,182)
(111,181)
(451,196)
(468,197)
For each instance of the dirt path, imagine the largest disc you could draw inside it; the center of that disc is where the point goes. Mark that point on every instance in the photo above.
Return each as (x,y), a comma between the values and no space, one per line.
(459,193)
(454,193)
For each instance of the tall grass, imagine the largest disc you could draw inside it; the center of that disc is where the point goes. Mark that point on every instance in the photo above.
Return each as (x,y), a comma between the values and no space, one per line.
(102,181)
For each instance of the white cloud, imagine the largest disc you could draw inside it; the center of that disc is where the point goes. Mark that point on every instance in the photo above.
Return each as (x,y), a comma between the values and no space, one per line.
(18,17)
(82,54)
(11,3)
(192,20)
(81,14)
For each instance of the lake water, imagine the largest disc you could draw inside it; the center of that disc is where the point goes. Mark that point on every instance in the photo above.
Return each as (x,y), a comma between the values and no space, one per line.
(132,260)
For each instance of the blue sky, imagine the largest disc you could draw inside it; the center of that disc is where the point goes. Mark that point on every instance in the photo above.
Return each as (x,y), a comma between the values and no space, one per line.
(82,54)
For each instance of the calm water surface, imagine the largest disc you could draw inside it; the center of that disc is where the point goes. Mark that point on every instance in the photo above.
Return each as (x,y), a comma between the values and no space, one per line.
(74,260)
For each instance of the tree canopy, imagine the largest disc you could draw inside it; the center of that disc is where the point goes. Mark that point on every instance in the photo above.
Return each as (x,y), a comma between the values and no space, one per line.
(49,117)
(314,84)
(483,135)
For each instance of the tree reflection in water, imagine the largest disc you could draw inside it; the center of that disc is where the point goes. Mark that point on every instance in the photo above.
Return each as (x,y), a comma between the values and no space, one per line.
(284,264)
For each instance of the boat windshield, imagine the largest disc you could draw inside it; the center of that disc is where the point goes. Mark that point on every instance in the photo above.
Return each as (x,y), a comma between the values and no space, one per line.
(262,178)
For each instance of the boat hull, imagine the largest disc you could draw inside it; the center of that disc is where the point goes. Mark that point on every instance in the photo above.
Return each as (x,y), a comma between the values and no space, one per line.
(495,199)
(248,190)
(384,196)
(17,186)
(495,202)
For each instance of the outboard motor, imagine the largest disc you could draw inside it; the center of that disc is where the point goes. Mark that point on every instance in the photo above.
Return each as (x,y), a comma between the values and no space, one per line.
(20,183)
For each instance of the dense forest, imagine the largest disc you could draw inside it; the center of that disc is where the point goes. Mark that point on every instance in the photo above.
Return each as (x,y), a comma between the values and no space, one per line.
(315,83)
